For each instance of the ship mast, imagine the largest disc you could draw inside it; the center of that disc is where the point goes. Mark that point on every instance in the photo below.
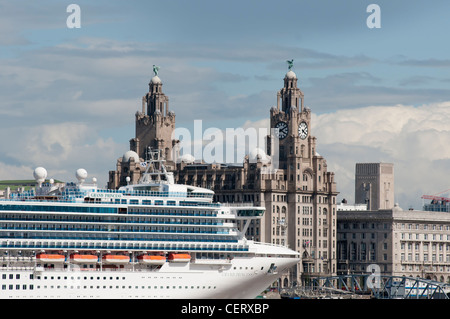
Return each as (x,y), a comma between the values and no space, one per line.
(155,171)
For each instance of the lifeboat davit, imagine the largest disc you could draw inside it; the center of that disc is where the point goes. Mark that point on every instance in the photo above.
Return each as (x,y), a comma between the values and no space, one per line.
(179,258)
(50,258)
(151,259)
(85,259)
(116,259)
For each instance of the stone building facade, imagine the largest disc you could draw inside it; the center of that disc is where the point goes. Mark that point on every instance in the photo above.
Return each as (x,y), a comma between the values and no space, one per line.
(401,242)
(299,194)
(155,124)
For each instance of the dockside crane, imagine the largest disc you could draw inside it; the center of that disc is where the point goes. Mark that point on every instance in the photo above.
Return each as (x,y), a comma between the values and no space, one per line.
(435,199)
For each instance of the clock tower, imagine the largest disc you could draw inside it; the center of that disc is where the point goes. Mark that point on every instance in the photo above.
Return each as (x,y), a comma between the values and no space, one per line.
(290,122)
(292,183)
(301,206)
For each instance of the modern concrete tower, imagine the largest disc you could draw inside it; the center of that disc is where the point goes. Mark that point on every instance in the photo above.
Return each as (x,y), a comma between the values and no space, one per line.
(374,185)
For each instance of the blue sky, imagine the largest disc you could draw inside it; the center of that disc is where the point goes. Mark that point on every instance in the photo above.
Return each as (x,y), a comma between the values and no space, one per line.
(69,95)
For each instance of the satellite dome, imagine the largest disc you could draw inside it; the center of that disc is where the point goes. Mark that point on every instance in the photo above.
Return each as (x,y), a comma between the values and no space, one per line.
(130,154)
(40,174)
(156,80)
(291,75)
(188,158)
(81,175)
(258,154)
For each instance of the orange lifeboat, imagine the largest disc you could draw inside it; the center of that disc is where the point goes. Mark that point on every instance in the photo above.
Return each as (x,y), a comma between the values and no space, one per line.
(116,259)
(180,258)
(151,259)
(84,259)
(50,258)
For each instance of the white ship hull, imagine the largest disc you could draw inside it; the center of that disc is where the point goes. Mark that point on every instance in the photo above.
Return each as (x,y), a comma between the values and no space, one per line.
(239,278)
(79,241)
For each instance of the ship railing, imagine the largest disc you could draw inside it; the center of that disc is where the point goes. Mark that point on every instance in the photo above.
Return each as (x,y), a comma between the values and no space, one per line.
(234,247)
(74,200)
(18,268)
(151,193)
(237,204)
(103,229)
(81,193)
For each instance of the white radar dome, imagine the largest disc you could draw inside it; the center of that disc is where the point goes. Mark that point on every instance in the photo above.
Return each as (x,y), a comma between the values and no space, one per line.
(258,154)
(81,174)
(40,174)
(130,154)
(187,158)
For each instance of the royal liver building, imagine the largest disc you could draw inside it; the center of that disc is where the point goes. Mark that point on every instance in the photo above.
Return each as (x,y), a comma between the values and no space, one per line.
(299,194)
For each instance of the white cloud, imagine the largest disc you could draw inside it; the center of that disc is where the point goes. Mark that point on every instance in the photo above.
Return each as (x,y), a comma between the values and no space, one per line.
(415,139)
(61,149)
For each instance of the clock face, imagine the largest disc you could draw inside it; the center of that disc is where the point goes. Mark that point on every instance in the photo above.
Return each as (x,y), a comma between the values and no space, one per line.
(281,130)
(303,130)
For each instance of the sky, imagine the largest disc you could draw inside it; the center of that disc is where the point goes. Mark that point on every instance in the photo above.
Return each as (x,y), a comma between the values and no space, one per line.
(69,95)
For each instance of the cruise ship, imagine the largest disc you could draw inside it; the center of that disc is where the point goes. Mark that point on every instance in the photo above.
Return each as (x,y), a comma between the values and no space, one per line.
(153,239)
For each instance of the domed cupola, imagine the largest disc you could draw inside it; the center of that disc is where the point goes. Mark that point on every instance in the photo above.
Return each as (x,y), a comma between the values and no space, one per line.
(290,95)
(155,99)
